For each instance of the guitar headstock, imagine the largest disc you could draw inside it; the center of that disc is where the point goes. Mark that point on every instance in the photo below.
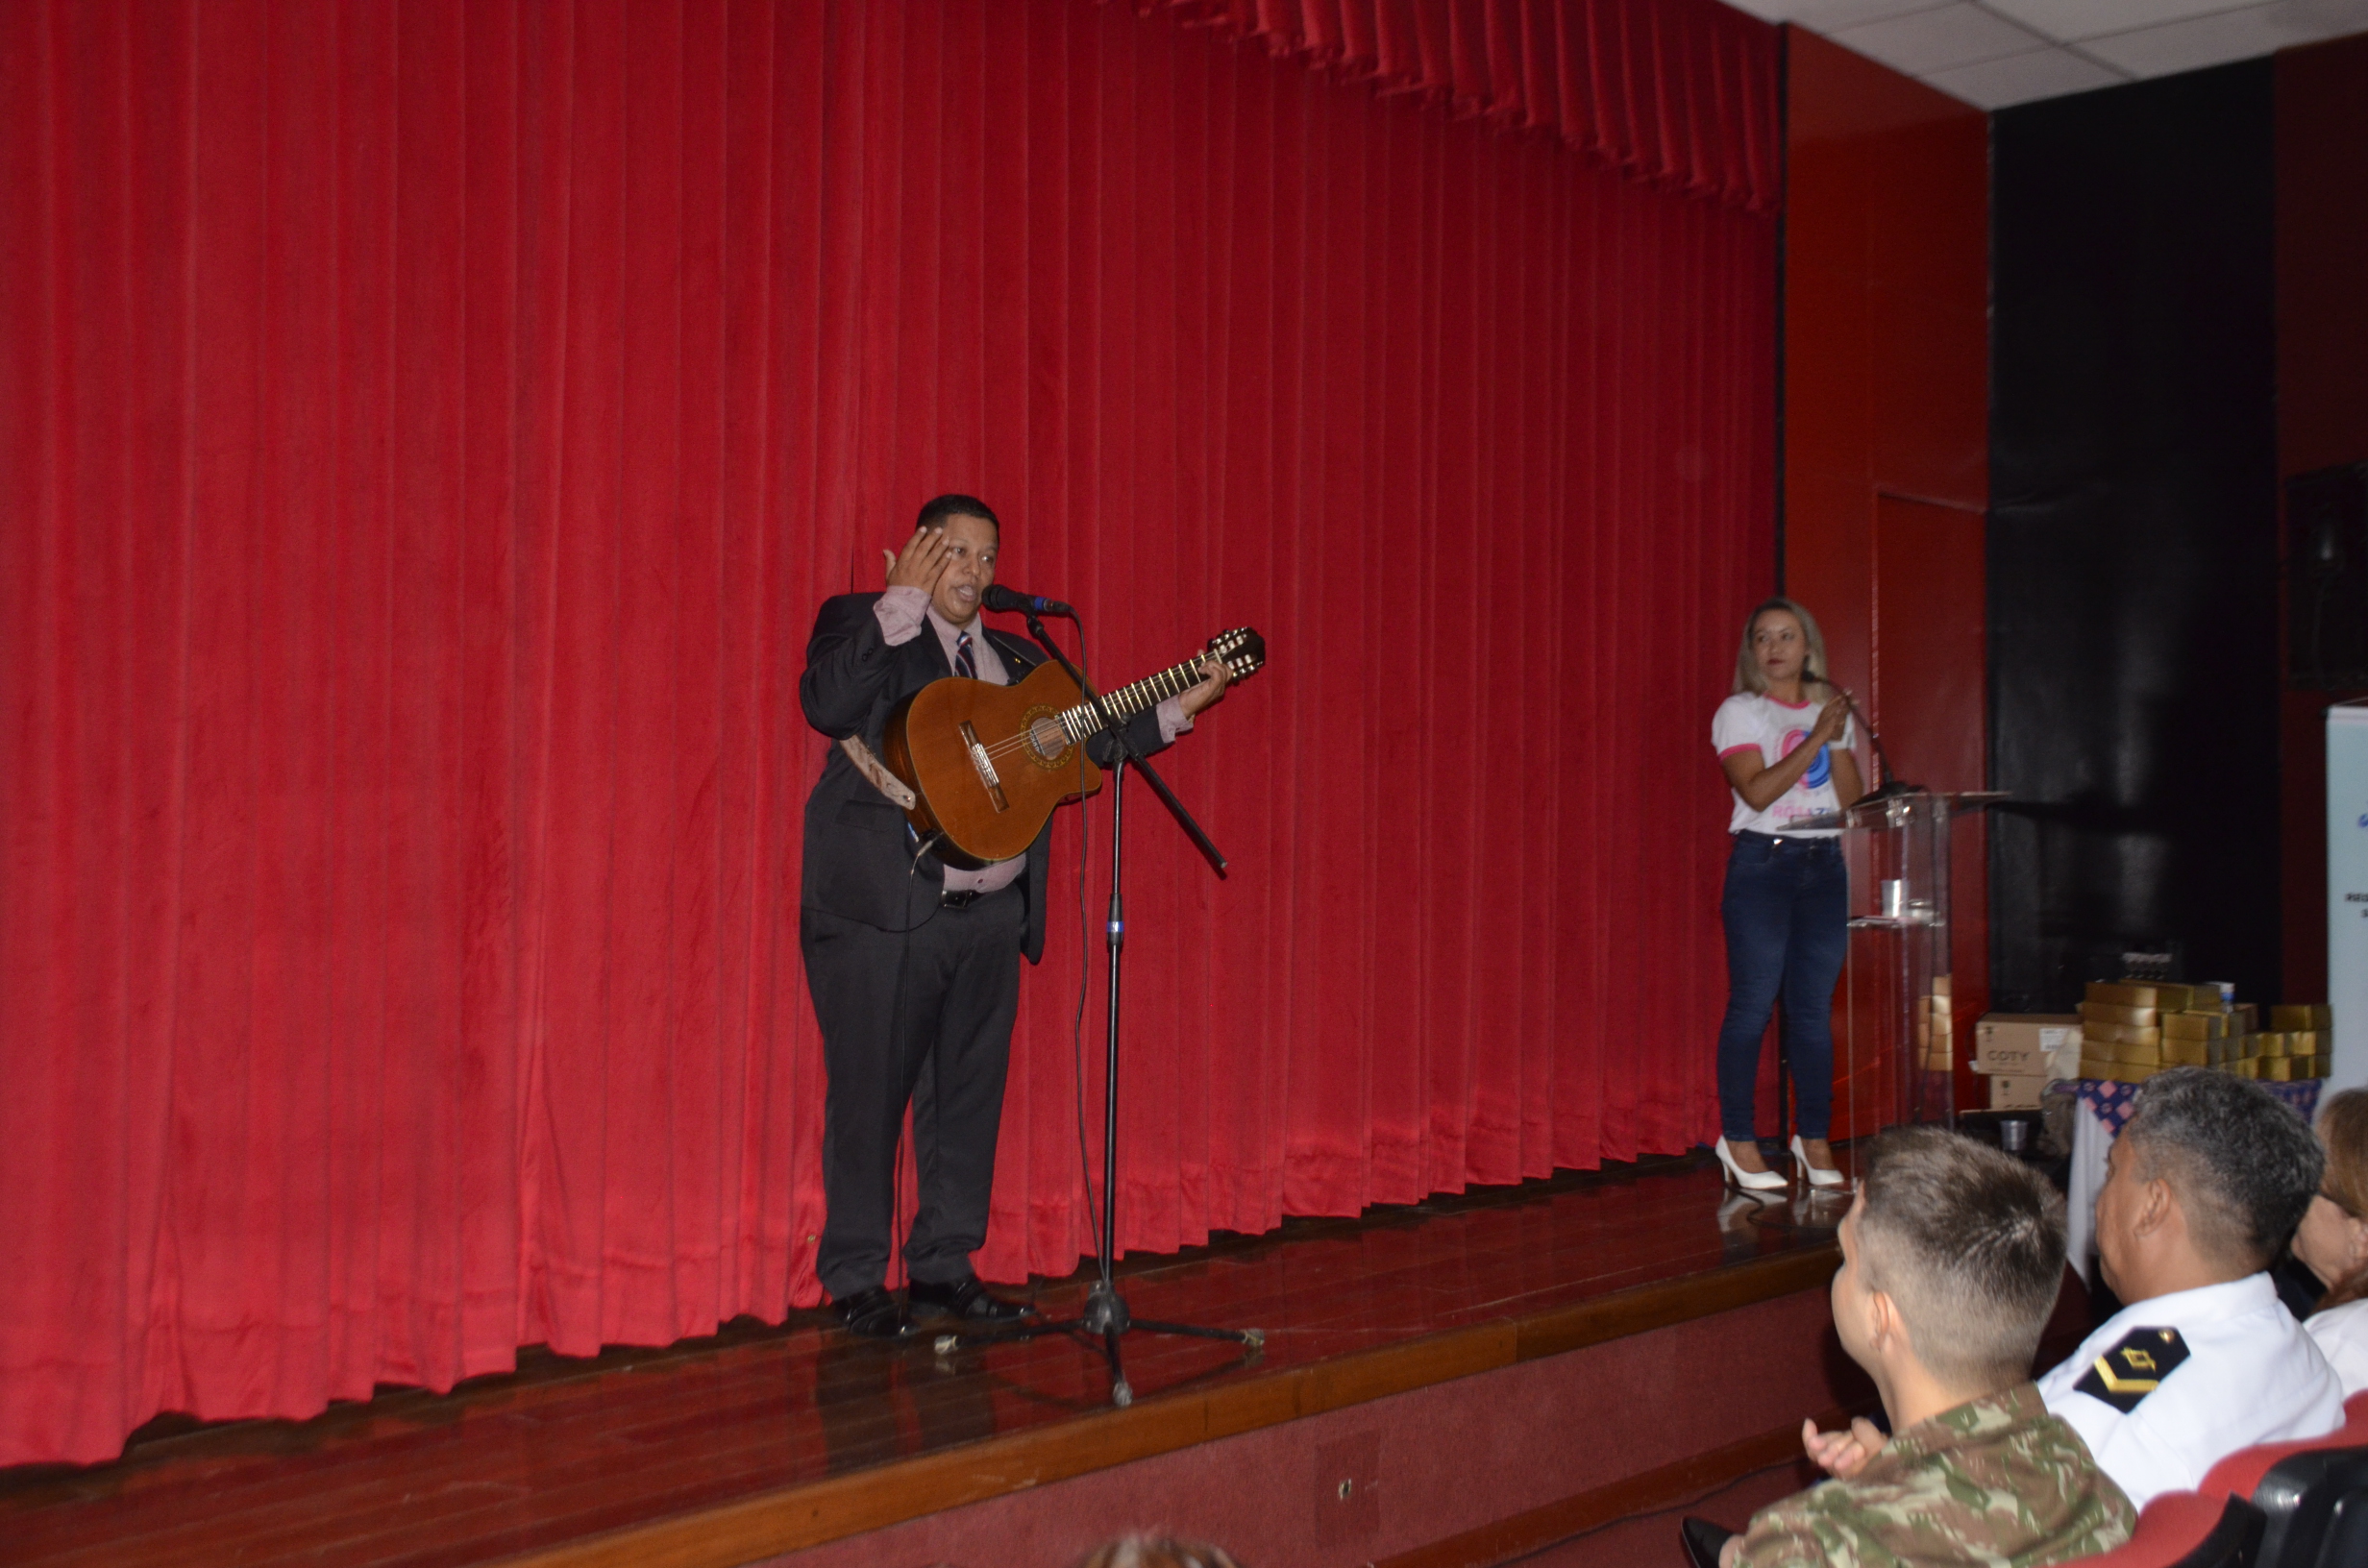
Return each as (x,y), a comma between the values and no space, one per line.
(1242,649)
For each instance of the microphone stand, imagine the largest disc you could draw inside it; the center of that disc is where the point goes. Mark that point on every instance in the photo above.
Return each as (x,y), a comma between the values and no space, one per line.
(1105,1315)
(1892,787)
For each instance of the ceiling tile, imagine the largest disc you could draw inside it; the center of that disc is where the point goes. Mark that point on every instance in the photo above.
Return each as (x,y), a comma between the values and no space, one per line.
(1826,17)
(1934,40)
(2018,79)
(2068,21)
(2228,36)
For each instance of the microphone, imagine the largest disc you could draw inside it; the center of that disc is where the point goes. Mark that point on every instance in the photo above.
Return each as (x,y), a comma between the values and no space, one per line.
(1891,785)
(999,597)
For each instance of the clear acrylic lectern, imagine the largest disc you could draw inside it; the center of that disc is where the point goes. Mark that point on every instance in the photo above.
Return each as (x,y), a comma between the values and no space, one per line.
(1894,1038)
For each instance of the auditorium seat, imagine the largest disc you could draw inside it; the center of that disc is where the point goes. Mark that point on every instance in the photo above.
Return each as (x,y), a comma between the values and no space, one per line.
(2312,1495)
(2187,1530)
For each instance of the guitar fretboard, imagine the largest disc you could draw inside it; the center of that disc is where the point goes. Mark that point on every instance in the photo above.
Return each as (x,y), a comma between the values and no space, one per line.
(1126,702)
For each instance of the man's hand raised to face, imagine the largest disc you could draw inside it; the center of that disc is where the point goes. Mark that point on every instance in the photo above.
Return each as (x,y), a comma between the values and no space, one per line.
(922,558)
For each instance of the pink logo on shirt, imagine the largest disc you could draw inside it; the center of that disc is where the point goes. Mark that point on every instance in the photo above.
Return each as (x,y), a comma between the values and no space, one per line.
(1821,769)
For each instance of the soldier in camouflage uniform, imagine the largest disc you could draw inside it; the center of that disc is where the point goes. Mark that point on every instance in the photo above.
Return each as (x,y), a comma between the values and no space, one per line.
(1951,1256)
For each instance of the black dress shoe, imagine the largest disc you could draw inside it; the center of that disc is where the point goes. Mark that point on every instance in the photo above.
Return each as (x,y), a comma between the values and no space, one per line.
(1703,1541)
(966,1299)
(872,1314)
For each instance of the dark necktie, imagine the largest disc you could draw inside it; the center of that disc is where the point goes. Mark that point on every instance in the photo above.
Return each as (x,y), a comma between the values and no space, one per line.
(963,664)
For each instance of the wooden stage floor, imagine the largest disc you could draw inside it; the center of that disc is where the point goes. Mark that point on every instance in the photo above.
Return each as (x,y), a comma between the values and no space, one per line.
(766,1439)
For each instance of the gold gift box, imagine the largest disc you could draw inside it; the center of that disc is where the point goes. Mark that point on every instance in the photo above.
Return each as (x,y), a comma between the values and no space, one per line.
(2269,1042)
(2284,1015)
(2120,1034)
(2126,993)
(1935,1034)
(2149,1052)
(2244,1019)
(2171,998)
(2280,1069)
(2194,1026)
(2187,1053)
(2303,1042)
(2107,1013)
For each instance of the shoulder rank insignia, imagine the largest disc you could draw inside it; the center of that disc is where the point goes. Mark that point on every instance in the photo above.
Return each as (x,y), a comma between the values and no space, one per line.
(2134,1368)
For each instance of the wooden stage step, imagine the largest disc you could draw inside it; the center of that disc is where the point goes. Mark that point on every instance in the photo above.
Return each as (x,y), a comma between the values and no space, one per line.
(767,1440)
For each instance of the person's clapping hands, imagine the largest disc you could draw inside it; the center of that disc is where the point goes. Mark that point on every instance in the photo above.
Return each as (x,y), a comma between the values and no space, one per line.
(1843,1453)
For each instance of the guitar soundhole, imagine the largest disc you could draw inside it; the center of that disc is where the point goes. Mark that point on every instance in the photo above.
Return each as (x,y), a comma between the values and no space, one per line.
(1047,741)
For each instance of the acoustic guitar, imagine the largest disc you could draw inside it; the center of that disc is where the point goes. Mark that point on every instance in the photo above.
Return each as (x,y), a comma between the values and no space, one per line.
(987,764)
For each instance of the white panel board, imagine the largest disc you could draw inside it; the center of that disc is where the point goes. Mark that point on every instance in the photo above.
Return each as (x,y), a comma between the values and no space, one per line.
(2347,891)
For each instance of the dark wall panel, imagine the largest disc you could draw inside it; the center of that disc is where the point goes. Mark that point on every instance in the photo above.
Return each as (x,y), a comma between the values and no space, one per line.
(2133,545)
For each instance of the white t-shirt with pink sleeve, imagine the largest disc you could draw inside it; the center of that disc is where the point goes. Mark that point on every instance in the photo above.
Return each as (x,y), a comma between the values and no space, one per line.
(1755,722)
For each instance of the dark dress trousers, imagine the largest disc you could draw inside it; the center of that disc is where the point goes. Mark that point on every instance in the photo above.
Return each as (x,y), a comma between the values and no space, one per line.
(914,998)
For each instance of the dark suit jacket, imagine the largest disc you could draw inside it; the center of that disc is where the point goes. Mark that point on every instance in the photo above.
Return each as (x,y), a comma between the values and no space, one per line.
(858,856)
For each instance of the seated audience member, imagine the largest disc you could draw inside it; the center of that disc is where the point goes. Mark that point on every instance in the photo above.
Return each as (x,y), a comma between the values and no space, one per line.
(1952,1254)
(2202,1191)
(2332,1243)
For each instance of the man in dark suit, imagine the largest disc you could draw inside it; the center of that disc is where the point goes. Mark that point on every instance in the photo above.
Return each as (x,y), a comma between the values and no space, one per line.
(914,966)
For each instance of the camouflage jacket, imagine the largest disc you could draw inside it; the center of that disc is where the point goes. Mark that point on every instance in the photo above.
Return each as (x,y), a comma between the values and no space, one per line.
(1997,1481)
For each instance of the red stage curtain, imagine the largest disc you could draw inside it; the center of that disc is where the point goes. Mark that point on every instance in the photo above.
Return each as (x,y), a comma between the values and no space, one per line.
(1679,92)
(428,429)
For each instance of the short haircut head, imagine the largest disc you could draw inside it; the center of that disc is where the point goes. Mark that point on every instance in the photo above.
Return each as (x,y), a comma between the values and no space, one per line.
(1968,1243)
(1157,1551)
(2244,1166)
(937,508)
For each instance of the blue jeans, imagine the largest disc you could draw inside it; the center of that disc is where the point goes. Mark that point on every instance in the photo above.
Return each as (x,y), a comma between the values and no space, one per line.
(1786,911)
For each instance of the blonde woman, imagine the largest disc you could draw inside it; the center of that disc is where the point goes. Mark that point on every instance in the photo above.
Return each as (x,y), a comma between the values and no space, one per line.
(2332,1240)
(1784,739)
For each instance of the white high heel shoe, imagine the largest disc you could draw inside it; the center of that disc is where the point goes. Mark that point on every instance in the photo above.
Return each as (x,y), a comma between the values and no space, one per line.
(1748,1181)
(1815,1176)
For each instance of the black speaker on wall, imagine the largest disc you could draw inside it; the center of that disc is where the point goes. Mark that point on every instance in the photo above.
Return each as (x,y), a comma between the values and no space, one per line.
(2326,578)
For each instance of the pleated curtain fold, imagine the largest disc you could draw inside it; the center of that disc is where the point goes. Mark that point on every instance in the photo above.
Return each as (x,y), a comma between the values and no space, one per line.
(427,432)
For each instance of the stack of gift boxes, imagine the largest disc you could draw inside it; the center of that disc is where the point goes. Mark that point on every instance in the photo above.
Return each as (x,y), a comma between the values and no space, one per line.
(2132,1029)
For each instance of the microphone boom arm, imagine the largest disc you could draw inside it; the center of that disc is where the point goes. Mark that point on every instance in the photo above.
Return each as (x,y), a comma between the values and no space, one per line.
(1892,786)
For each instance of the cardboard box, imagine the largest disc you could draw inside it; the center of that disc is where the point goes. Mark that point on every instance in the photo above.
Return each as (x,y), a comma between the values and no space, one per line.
(2194,1026)
(2027,1044)
(2015,1093)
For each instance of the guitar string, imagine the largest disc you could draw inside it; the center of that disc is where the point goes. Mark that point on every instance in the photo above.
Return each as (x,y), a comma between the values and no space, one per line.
(1024,740)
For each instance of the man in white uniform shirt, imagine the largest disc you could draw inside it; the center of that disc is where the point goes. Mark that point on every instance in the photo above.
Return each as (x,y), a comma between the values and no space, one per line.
(2204,1186)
